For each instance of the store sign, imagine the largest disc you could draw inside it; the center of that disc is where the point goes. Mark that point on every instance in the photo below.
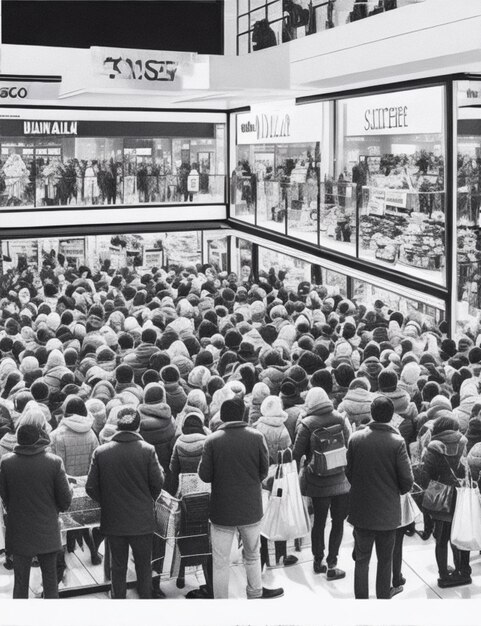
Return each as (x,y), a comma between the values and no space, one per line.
(38,127)
(73,249)
(23,248)
(153,258)
(146,68)
(396,198)
(297,124)
(469,93)
(19,91)
(400,113)
(377,202)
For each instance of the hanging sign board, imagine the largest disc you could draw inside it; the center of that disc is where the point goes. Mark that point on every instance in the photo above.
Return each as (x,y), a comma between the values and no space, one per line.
(19,91)
(73,250)
(295,124)
(417,111)
(123,68)
(153,257)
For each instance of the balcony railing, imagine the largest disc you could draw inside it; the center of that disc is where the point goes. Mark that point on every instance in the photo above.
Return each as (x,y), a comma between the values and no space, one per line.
(265,23)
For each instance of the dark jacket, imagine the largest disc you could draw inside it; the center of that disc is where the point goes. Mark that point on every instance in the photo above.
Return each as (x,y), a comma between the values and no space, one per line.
(379,470)
(158,428)
(312,485)
(139,359)
(125,478)
(175,397)
(34,488)
(186,457)
(235,460)
(406,410)
(441,461)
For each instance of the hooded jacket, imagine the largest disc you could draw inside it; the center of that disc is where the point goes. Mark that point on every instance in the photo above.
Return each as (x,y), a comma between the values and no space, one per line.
(33,488)
(441,461)
(356,405)
(371,367)
(186,456)
(175,397)
(139,359)
(407,412)
(469,395)
(321,415)
(158,428)
(276,434)
(74,442)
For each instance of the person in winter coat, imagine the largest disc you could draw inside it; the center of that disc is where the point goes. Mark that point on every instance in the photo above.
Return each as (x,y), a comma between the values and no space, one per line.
(188,448)
(272,425)
(140,357)
(235,460)
(328,492)
(54,370)
(474,462)
(405,411)
(379,471)
(442,462)
(293,405)
(157,426)
(356,405)
(469,395)
(259,394)
(126,479)
(175,395)
(33,488)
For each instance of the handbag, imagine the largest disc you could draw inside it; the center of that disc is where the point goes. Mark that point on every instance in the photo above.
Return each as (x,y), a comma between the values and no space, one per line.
(286,516)
(438,497)
(466,525)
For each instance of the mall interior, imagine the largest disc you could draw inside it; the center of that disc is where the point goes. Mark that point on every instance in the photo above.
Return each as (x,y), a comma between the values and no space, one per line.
(321,156)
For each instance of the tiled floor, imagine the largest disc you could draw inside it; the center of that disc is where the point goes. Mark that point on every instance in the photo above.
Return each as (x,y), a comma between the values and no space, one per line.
(299,581)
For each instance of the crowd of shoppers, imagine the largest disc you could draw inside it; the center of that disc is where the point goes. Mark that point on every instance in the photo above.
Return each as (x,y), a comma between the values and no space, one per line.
(136,379)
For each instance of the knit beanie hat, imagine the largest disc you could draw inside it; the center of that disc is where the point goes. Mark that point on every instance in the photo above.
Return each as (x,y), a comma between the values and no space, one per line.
(321,350)
(310,362)
(379,334)
(39,391)
(298,376)
(154,394)
(105,355)
(74,406)
(207,329)
(474,355)
(22,398)
(323,379)
(273,378)
(192,344)
(13,379)
(430,390)
(410,373)
(214,383)
(268,333)
(233,339)
(199,377)
(289,389)
(183,364)
(382,409)
(232,410)
(272,358)
(149,335)
(387,381)
(124,373)
(448,349)
(272,407)
(170,374)
(344,374)
(204,358)
(372,349)
(464,344)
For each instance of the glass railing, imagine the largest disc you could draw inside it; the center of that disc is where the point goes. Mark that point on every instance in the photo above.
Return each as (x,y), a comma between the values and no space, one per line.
(265,23)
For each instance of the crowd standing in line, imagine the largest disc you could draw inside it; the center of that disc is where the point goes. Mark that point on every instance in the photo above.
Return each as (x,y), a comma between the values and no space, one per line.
(137,379)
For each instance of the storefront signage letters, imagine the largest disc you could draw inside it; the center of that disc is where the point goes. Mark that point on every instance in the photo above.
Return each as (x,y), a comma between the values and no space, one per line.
(17,90)
(268,126)
(396,198)
(13,92)
(35,127)
(416,111)
(293,125)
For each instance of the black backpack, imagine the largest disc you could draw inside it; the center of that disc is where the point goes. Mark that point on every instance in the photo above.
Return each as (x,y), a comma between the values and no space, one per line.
(328,451)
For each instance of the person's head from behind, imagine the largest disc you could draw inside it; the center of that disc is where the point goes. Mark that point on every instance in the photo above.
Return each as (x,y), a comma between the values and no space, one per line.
(32,416)
(441,424)
(232,410)
(382,410)
(128,419)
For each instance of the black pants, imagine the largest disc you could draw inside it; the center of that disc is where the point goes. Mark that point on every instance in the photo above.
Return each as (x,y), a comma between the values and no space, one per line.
(280,548)
(442,534)
(397,557)
(21,570)
(339,506)
(142,550)
(364,541)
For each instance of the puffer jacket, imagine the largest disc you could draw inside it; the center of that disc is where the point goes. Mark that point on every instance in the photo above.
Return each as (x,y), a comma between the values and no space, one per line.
(74,442)
(276,434)
(441,461)
(139,359)
(312,485)
(7,443)
(474,461)
(356,406)
(54,377)
(407,412)
(186,457)
(157,427)
(371,367)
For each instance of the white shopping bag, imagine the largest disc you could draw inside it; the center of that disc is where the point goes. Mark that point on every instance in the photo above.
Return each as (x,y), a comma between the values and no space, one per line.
(466,527)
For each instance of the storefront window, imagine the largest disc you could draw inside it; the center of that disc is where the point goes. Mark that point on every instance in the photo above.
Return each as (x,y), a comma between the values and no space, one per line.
(49,162)
(280,160)
(391,154)
(468,249)
(217,251)
(289,269)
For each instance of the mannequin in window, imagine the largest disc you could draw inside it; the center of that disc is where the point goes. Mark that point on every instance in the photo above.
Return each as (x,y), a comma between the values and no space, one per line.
(16,176)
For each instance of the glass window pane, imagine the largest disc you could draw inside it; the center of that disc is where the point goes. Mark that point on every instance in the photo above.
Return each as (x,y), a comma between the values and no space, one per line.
(392,153)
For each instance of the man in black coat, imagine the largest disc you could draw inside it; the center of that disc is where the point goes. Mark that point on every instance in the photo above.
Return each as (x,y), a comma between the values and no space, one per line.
(33,488)
(126,479)
(379,471)
(235,460)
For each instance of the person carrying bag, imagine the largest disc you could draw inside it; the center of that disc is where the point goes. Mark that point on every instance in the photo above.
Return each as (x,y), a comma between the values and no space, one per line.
(466,526)
(442,469)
